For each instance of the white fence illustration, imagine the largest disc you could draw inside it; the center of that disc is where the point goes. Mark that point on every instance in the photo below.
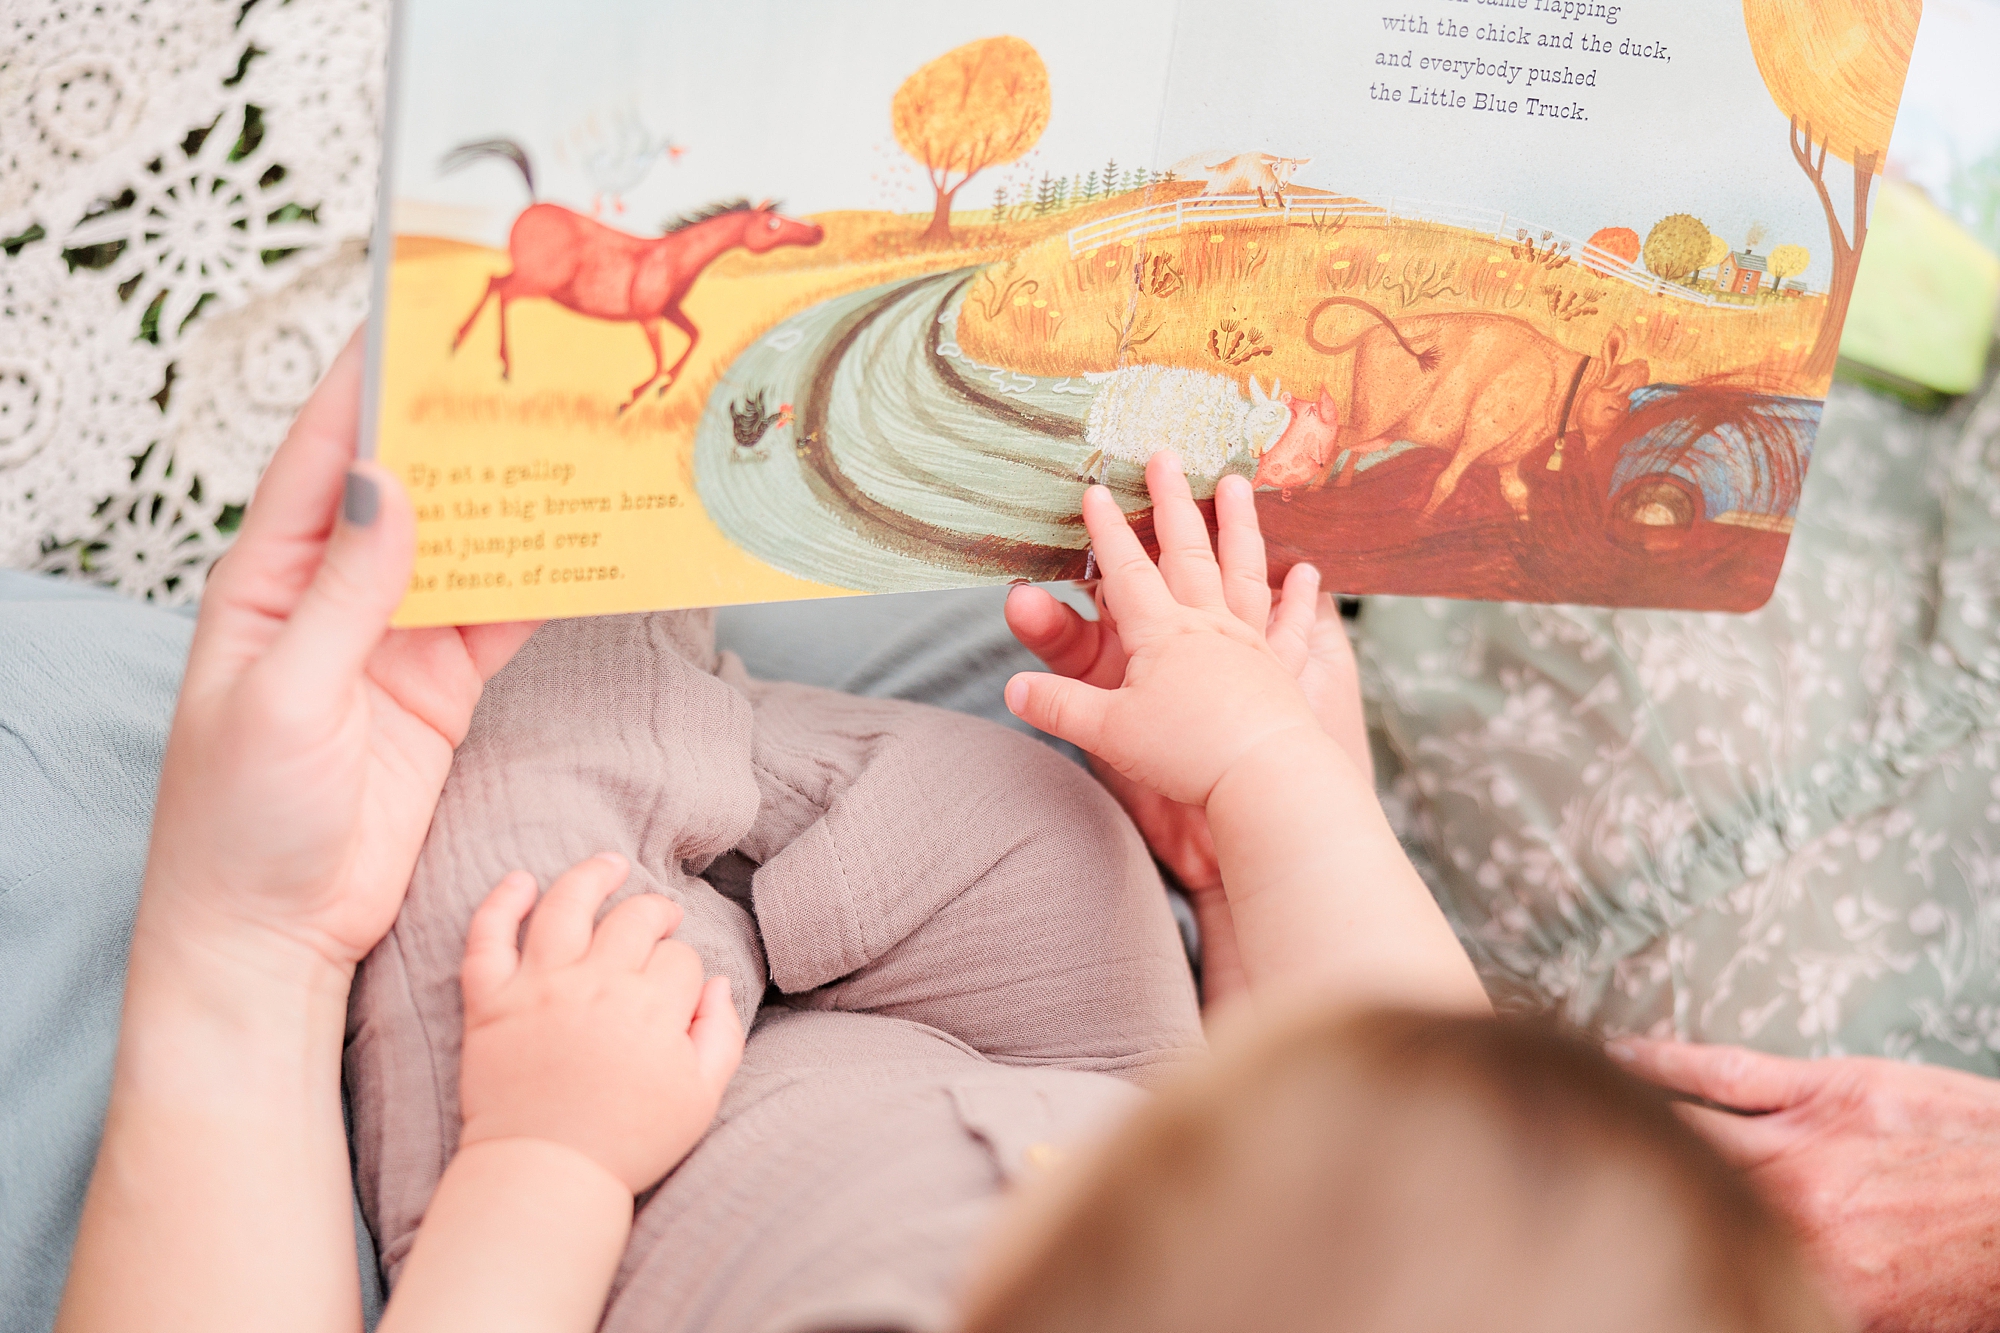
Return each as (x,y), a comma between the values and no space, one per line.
(1201,209)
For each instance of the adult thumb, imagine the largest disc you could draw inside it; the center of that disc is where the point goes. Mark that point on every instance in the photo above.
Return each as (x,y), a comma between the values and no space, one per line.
(345,611)
(1067,709)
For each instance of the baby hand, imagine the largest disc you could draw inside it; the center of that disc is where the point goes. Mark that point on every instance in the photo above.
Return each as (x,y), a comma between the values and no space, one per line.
(1201,683)
(1090,651)
(607,1040)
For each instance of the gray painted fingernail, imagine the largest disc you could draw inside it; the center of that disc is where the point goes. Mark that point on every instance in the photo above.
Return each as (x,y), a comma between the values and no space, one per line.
(361,501)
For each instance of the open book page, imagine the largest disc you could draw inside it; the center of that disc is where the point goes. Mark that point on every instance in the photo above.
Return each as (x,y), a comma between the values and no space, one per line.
(1536,299)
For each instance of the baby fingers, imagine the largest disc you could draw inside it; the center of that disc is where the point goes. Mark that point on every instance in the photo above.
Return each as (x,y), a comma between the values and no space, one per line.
(1239,545)
(559,932)
(1066,709)
(1130,585)
(1294,618)
(716,1034)
(676,970)
(490,952)
(626,936)
(1187,562)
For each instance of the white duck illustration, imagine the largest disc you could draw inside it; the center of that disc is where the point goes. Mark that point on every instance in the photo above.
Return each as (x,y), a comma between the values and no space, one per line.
(616,151)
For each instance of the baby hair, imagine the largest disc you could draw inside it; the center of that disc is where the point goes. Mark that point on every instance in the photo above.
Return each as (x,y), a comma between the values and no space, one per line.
(1400,1172)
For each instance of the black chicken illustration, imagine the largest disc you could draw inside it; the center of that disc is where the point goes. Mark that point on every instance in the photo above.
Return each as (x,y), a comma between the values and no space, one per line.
(748,420)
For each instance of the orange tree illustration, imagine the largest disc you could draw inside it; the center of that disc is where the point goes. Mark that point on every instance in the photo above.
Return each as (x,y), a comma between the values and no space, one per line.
(1836,68)
(1620,241)
(980,105)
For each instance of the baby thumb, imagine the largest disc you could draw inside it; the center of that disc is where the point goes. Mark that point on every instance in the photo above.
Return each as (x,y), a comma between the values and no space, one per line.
(716,1034)
(345,611)
(1067,709)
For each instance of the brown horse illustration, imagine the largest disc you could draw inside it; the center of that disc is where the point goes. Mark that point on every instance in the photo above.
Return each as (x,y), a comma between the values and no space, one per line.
(599,271)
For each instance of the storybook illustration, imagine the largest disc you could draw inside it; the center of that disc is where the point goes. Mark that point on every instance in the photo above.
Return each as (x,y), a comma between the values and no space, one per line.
(1517,299)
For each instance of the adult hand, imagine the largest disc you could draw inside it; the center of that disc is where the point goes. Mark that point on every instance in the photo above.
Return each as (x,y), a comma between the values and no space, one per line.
(311,741)
(1091,651)
(1890,1172)
(307,753)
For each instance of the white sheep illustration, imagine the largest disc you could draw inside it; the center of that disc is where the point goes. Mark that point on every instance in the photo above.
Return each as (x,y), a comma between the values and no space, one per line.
(1140,411)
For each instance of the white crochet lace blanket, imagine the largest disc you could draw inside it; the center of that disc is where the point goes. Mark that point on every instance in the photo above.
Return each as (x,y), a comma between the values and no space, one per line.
(186,188)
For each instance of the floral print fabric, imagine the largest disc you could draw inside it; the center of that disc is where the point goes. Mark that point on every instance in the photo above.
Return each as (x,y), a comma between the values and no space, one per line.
(1779,829)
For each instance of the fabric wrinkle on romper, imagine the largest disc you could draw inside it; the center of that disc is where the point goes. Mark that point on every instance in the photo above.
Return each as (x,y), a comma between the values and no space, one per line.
(952,948)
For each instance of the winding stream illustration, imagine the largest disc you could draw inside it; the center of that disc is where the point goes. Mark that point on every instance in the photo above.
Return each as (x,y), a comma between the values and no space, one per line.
(908,465)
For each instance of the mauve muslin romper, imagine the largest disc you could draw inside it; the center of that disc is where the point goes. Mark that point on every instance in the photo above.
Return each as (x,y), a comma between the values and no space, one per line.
(952,946)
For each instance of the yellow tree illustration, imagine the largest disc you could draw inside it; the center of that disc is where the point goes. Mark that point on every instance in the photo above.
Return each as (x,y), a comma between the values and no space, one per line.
(1718,250)
(1676,246)
(1787,261)
(980,105)
(1836,68)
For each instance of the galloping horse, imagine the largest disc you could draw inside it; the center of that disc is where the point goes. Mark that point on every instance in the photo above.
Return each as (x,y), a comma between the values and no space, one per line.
(599,271)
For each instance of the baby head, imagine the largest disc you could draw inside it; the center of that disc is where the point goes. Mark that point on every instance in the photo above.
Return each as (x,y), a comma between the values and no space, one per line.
(1392,1173)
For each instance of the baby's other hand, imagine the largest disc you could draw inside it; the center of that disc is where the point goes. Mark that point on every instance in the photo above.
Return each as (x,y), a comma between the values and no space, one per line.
(604,1040)
(1089,650)
(1201,684)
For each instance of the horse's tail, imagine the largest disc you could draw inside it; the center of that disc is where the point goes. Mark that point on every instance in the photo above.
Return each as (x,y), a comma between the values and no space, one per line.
(1427,358)
(467,153)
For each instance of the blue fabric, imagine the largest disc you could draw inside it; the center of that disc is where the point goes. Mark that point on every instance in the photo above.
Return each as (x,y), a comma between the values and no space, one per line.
(951,649)
(87,686)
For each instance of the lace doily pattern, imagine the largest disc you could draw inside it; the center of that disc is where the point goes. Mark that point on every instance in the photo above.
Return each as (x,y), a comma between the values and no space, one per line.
(186,188)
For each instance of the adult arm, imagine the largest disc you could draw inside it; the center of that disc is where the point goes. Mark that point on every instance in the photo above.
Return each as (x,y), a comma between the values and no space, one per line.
(1890,1172)
(1322,899)
(308,749)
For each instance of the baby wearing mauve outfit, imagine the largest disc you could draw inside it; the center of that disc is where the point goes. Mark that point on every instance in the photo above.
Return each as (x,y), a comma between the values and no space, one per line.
(951,948)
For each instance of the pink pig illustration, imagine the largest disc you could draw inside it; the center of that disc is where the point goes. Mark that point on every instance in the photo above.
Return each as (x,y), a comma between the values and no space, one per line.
(1306,450)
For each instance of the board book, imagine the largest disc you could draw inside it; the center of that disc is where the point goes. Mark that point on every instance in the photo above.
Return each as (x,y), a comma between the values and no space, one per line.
(687,304)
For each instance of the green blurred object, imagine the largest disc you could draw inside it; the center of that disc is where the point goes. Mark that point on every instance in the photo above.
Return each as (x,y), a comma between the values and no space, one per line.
(1922,318)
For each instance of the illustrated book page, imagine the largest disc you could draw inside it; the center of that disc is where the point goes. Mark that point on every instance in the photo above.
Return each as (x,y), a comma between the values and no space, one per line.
(688,304)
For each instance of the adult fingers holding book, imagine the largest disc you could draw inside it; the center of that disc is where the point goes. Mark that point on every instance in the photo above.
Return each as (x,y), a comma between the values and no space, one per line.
(308,749)
(311,740)
(291,517)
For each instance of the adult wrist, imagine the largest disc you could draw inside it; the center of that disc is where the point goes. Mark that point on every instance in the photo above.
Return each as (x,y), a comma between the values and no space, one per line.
(183,919)
(203,979)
